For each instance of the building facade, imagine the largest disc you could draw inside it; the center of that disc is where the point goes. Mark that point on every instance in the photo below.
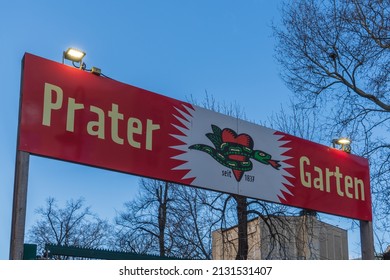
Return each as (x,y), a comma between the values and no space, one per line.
(284,237)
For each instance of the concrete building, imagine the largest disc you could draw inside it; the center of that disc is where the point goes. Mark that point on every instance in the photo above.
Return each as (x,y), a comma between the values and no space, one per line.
(298,237)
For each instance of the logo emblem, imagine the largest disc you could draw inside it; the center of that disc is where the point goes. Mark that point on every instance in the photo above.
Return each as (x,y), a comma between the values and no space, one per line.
(234,151)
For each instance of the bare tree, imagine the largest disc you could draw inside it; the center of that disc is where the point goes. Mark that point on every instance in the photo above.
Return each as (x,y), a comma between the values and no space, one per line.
(327,44)
(166,219)
(195,222)
(335,55)
(72,225)
(144,226)
(275,237)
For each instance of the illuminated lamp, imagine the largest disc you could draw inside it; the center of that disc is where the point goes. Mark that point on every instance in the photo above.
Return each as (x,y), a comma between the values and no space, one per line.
(344,142)
(74,55)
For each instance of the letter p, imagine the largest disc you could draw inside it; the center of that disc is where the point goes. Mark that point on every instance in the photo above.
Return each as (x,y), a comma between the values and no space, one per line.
(49,104)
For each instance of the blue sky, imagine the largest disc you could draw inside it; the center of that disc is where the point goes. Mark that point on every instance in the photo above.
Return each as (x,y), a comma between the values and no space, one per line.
(176,48)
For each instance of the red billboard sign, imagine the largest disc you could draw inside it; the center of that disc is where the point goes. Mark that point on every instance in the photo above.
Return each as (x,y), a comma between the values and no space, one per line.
(79,117)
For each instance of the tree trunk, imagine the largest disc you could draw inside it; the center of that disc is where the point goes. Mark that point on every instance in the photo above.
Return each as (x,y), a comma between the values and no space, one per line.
(162,217)
(161,227)
(242,217)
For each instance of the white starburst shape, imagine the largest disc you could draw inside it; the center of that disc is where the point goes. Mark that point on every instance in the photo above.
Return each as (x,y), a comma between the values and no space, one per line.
(263,181)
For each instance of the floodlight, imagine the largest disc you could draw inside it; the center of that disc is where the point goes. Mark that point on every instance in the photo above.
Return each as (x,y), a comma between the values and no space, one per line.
(344,142)
(74,55)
